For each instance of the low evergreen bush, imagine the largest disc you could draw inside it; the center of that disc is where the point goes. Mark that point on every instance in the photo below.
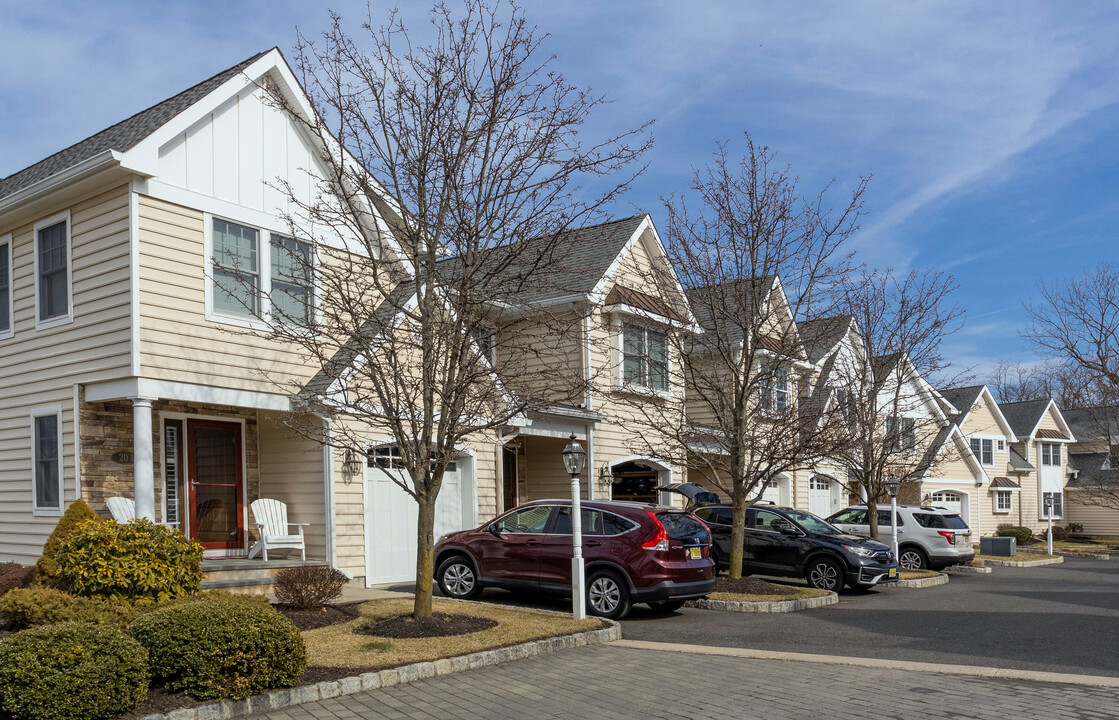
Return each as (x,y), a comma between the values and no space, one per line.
(32,607)
(1022,534)
(46,569)
(136,561)
(72,671)
(213,649)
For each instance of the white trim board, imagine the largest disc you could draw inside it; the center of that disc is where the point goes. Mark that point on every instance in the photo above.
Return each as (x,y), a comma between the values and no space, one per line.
(186,392)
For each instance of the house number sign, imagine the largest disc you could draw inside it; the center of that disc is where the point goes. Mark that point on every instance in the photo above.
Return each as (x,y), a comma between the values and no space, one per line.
(124,457)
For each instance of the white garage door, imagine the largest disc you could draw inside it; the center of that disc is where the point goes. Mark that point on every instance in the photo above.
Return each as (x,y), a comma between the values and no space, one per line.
(391,517)
(819,496)
(949,501)
(772,493)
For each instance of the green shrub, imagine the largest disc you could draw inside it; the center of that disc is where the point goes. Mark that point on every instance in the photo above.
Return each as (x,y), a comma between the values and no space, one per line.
(1074,528)
(1059,533)
(32,607)
(46,569)
(13,575)
(1022,534)
(309,586)
(72,671)
(221,648)
(135,561)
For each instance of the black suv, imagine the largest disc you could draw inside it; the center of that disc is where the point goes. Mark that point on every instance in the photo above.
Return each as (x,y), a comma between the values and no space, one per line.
(792,543)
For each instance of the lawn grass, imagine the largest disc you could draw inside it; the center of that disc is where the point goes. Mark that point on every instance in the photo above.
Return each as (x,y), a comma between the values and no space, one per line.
(917,574)
(337,646)
(794,593)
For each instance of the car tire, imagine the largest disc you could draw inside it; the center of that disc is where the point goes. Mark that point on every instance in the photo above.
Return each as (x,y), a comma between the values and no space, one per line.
(666,606)
(607,595)
(912,558)
(824,573)
(458,579)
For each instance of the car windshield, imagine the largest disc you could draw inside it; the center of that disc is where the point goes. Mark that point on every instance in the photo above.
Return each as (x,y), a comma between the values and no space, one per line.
(811,523)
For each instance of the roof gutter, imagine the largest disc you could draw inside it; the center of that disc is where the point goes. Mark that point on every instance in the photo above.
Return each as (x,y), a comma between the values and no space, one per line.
(98,162)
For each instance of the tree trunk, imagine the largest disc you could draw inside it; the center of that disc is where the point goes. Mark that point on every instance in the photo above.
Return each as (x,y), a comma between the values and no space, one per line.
(738,533)
(872,514)
(425,556)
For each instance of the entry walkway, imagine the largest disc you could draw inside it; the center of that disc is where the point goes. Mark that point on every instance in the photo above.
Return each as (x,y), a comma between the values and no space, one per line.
(615,681)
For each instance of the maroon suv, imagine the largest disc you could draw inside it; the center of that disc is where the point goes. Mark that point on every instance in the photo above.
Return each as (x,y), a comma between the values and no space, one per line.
(632,553)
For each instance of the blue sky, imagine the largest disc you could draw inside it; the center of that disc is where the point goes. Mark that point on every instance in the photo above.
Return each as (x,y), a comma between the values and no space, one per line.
(990,127)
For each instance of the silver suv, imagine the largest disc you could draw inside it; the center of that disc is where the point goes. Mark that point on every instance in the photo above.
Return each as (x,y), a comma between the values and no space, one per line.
(928,537)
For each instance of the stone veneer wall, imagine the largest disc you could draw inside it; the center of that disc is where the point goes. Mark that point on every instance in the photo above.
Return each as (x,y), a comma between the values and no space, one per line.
(106,428)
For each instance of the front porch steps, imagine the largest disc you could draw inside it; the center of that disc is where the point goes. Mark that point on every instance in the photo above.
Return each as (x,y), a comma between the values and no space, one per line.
(242,576)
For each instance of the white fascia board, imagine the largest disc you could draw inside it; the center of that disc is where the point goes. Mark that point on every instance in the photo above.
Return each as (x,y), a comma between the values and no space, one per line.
(990,399)
(98,162)
(185,392)
(1060,421)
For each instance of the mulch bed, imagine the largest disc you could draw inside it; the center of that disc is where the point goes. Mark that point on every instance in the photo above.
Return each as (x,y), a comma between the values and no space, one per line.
(750,586)
(162,701)
(438,625)
(310,619)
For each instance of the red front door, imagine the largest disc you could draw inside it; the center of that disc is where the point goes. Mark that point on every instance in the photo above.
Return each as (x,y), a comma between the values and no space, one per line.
(216,485)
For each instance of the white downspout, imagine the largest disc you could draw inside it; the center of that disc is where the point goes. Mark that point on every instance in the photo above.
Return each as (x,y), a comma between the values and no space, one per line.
(588,403)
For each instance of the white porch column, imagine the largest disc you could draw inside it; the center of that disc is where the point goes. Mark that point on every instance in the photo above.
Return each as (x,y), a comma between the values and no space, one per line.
(143,472)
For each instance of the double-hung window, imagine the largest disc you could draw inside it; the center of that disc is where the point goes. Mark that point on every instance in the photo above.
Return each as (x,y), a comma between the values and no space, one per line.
(1055,501)
(983,450)
(52,271)
(775,388)
(46,464)
(902,432)
(291,280)
(1004,501)
(644,357)
(6,286)
(1050,454)
(236,269)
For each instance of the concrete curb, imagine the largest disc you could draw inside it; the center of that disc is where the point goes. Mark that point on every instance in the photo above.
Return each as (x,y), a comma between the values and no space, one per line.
(286,697)
(966,570)
(1023,563)
(1075,554)
(775,606)
(918,583)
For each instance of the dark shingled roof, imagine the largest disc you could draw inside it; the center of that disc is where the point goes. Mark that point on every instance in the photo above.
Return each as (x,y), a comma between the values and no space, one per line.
(962,399)
(120,137)
(1019,463)
(1091,471)
(1095,423)
(821,335)
(884,364)
(1024,416)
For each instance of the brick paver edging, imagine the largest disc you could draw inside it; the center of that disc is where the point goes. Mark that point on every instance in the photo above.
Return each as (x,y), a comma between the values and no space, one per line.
(967,570)
(774,606)
(925,582)
(278,699)
(1023,563)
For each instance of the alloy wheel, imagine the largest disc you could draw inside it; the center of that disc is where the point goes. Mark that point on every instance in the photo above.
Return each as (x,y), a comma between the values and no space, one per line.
(459,579)
(911,560)
(824,576)
(604,595)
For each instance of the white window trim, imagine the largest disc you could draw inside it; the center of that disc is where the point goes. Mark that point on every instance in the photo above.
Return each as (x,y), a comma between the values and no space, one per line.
(1041,506)
(994,448)
(1008,510)
(7,242)
(49,411)
(264,273)
(68,318)
(620,322)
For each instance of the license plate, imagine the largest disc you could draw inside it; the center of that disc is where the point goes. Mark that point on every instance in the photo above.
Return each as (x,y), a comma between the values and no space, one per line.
(893,572)
(696,553)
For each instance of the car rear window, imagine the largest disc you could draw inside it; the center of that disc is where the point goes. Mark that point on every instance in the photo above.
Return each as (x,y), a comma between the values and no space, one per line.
(955,522)
(682,526)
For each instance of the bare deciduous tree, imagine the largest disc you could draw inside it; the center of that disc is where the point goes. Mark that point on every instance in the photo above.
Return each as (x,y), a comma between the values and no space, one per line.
(902,321)
(1019,381)
(452,171)
(754,254)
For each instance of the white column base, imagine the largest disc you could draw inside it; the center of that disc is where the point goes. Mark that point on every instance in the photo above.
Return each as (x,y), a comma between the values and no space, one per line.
(578,589)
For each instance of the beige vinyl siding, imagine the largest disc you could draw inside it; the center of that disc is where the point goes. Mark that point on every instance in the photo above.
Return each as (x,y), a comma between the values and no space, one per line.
(541,471)
(177,342)
(40,367)
(1096,520)
(291,470)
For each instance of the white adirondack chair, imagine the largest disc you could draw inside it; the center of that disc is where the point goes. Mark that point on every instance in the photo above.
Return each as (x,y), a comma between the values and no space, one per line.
(272,522)
(123,511)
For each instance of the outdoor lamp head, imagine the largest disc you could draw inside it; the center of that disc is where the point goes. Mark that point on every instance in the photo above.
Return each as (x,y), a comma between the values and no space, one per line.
(892,486)
(1048,503)
(574,457)
(350,464)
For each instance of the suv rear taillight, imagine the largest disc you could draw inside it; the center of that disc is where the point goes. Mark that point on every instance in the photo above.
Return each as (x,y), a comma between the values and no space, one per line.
(659,539)
(947,535)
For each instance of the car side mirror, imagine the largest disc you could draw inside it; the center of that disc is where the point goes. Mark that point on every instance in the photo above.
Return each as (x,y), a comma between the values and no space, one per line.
(788,530)
(494,530)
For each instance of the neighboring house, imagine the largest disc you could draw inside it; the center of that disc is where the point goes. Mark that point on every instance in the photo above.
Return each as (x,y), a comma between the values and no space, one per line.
(1038,460)
(1095,471)
(621,353)
(995,497)
(127,370)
